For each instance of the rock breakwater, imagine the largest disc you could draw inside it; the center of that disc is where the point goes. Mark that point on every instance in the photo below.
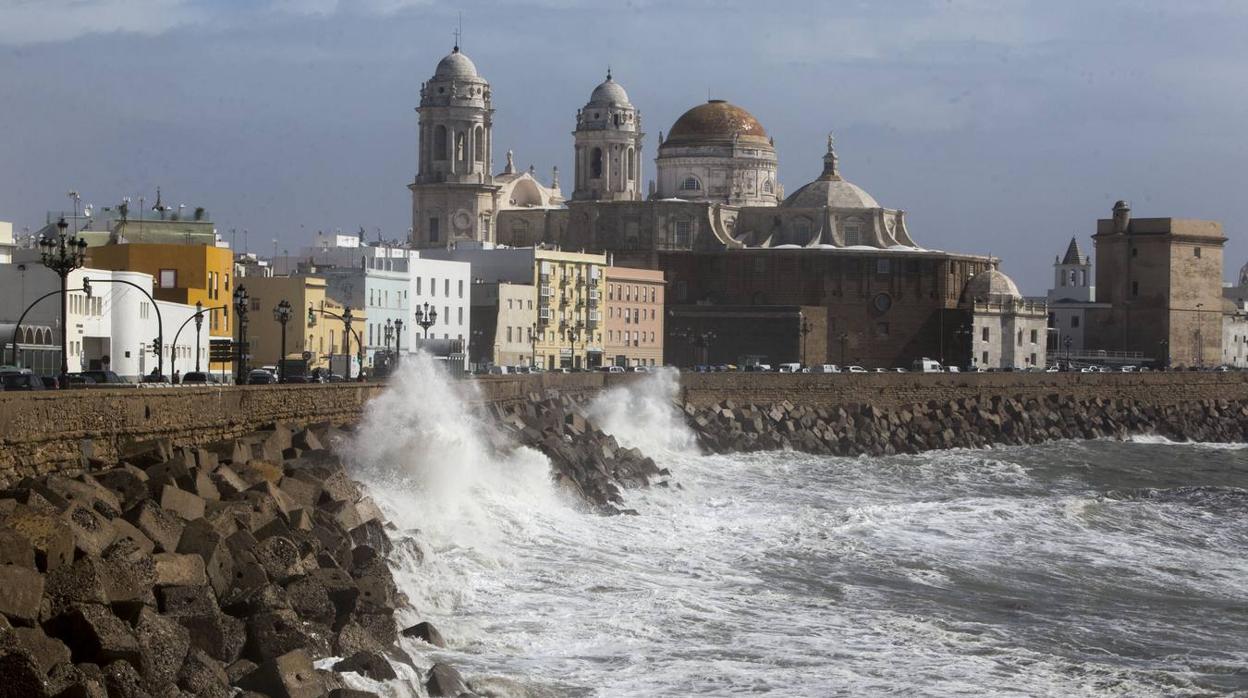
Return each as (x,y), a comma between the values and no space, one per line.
(212,571)
(862,429)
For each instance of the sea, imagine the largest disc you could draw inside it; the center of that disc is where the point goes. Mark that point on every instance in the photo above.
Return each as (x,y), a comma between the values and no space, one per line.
(1073,568)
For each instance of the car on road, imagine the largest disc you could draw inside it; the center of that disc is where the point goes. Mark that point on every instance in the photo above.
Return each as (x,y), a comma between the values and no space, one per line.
(612,369)
(104,377)
(260,376)
(856,369)
(199,378)
(21,381)
(825,368)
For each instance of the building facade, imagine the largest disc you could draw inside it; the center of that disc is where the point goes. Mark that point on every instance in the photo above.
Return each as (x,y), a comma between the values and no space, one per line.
(1007,331)
(316,336)
(439,287)
(1162,281)
(635,301)
(504,324)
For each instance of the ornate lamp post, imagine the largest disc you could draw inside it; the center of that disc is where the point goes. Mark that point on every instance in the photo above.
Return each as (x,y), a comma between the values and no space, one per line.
(398,339)
(386,335)
(282,313)
(240,309)
(63,254)
(199,325)
(426,318)
(346,337)
(1066,344)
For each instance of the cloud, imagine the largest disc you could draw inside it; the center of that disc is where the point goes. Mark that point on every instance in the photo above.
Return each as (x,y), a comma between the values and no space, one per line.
(41,21)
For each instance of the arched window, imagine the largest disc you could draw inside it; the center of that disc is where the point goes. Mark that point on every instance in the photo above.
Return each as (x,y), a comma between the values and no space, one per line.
(478,139)
(461,153)
(767,186)
(439,143)
(853,233)
(631,164)
(595,163)
(691,183)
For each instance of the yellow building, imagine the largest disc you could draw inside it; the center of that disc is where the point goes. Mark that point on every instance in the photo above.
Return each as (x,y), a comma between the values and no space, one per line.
(182,273)
(320,337)
(569,308)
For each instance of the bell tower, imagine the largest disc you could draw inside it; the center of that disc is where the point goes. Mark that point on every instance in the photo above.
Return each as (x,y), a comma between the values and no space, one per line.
(608,146)
(453,193)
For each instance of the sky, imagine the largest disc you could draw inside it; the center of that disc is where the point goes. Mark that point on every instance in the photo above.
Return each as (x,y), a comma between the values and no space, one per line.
(1002,127)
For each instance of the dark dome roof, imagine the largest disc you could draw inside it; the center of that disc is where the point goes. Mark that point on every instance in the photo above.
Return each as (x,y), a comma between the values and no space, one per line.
(715,120)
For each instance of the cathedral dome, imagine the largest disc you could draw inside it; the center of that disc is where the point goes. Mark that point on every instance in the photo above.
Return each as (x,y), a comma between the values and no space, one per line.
(455,65)
(832,193)
(992,285)
(714,121)
(609,92)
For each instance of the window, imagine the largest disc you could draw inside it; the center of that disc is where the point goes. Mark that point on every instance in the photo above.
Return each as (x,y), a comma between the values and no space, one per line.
(446,288)
(682,233)
(1135,288)
(1020,338)
(461,288)
(433,228)
(433,286)
(509,304)
(767,186)
(690,184)
(439,143)
(1196,252)
(461,315)
(169,278)
(853,234)
(652,297)
(1033,359)
(509,333)
(631,163)
(1074,320)
(984,336)
(984,360)
(1135,252)
(881,266)
(1033,336)
(478,143)
(595,163)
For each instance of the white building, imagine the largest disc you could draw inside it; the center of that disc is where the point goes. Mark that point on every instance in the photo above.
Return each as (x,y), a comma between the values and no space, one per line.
(7,243)
(444,286)
(1007,331)
(112,329)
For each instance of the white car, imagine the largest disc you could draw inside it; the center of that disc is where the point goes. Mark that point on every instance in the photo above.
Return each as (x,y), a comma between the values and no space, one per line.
(789,368)
(857,369)
(825,368)
(640,369)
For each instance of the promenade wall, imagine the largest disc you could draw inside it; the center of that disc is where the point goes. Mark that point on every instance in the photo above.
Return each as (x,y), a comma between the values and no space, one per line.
(41,431)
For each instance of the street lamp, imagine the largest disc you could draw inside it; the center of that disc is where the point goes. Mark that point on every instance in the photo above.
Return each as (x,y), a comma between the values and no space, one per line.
(398,339)
(346,336)
(199,325)
(844,339)
(63,254)
(282,313)
(426,318)
(386,335)
(1066,343)
(240,309)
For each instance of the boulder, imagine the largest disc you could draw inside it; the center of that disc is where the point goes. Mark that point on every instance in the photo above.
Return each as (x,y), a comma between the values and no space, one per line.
(67,680)
(15,549)
(275,633)
(200,538)
(185,505)
(426,632)
(290,675)
(125,531)
(95,635)
(91,531)
(180,570)
(165,644)
(22,675)
(370,664)
(201,675)
(161,527)
(124,681)
(47,534)
(339,587)
(46,651)
(310,599)
(444,680)
(220,636)
(21,592)
(279,557)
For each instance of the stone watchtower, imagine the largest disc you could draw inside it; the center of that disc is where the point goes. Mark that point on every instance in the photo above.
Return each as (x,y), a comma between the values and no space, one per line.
(1072,276)
(1162,279)
(608,146)
(453,195)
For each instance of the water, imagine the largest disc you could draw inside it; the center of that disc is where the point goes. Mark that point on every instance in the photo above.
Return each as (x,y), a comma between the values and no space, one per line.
(1074,568)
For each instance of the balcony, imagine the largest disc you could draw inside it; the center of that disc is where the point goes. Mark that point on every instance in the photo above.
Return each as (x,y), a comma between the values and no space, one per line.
(547,291)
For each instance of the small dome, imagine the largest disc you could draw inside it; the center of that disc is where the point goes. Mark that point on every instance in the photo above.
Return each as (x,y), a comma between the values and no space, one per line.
(609,92)
(455,65)
(991,285)
(832,193)
(716,120)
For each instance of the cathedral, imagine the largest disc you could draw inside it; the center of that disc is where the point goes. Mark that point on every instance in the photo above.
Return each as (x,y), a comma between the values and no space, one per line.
(827,263)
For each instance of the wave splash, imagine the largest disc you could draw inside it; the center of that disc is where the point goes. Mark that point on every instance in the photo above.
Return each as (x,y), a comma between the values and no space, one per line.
(643,414)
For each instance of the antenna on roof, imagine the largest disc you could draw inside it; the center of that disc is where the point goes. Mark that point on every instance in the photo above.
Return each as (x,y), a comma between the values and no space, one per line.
(608,71)
(459,30)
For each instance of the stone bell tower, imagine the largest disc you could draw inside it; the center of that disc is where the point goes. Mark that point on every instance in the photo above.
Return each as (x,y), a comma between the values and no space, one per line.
(608,146)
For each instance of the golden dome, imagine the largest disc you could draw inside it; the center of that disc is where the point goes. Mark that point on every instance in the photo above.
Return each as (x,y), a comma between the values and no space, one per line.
(716,120)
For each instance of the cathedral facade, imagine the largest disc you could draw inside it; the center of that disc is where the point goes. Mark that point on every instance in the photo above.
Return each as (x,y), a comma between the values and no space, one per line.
(715,219)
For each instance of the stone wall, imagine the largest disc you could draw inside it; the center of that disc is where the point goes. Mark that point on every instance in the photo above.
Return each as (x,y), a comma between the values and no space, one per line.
(41,431)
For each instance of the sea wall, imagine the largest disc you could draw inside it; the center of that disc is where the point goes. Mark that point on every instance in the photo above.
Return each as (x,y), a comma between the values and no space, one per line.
(44,431)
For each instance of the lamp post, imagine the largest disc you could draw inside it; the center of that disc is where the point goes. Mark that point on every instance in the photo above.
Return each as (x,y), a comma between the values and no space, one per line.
(386,335)
(346,318)
(1165,353)
(1066,343)
(282,313)
(63,254)
(398,339)
(426,317)
(199,325)
(1200,336)
(346,337)
(804,329)
(240,309)
(844,338)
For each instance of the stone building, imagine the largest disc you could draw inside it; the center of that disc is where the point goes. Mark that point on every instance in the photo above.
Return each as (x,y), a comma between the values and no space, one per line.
(634,316)
(716,221)
(504,323)
(1070,298)
(1162,281)
(1007,331)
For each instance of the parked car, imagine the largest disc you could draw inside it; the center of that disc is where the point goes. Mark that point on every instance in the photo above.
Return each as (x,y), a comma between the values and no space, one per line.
(260,376)
(1128,369)
(21,381)
(789,368)
(498,370)
(825,368)
(612,369)
(641,369)
(105,377)
(952,369)
(75,379)
(198,378)
(856,369)
(926,365)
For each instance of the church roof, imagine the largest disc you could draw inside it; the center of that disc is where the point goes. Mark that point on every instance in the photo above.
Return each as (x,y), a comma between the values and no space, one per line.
(716,120)
(455,65)
(835,193)
(991,285)
(609,92)
(1074,255)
